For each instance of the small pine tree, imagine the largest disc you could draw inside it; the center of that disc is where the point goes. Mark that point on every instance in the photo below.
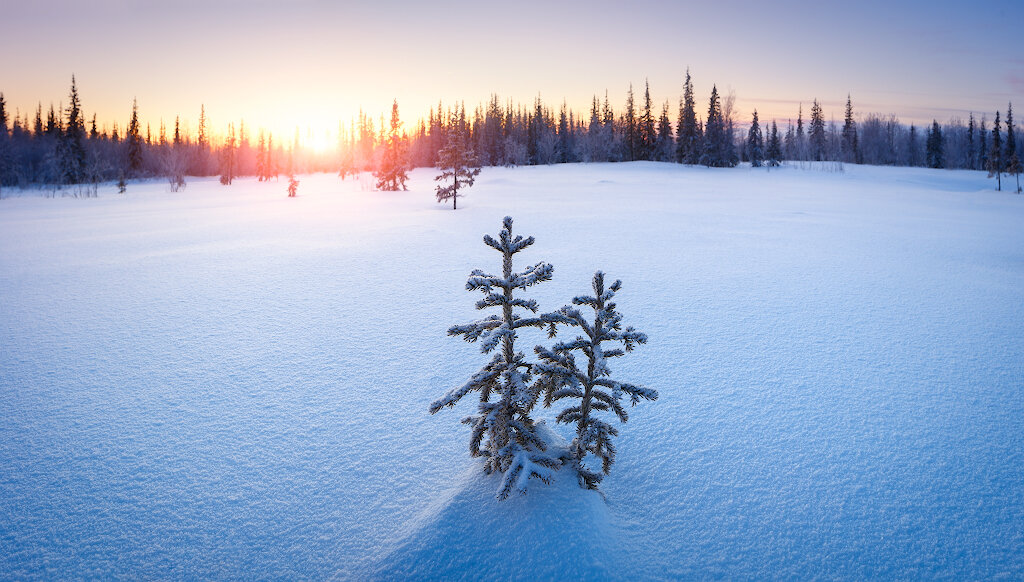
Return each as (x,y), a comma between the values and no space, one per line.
(458,165)
(755,143)
(502,430)
(391,173)
(293,186)
(562,378)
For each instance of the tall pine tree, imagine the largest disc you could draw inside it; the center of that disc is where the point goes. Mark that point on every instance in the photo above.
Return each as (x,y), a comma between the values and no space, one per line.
(1011,159)
(647,133)
(817,132)
(774,156)
(933,146)
(71,146)
(755,143)
(629,127)
(851,148)
(133,141)
(687,135)
(995,155)
(714,154)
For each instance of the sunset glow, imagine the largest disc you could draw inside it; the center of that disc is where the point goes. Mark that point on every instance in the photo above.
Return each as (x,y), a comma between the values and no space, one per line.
(311,64)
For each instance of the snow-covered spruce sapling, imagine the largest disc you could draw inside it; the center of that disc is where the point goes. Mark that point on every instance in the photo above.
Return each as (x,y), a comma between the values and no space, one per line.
(591,387)
(502,430)
(457,165)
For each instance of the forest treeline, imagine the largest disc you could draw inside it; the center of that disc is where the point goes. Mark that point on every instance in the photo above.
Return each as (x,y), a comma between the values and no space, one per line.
(62,147)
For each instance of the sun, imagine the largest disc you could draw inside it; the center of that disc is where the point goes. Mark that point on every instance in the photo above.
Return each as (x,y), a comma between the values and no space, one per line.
(320,142)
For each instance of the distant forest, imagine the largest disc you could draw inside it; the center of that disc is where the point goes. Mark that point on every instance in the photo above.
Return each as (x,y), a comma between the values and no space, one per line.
(63,147)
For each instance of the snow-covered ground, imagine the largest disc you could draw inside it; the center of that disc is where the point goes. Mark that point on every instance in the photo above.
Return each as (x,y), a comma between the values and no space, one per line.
(229,383)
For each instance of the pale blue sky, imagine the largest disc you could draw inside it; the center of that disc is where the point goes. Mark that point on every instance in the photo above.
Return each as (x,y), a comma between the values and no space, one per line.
(282,64)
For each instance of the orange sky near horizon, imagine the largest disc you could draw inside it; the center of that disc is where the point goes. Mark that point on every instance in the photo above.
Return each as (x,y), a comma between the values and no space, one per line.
(312,65)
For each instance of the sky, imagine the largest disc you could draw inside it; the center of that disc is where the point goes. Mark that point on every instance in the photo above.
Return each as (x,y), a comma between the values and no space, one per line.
(312,64)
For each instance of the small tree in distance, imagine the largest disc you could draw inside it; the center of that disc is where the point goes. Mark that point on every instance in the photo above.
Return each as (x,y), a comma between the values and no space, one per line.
(391,174)
(502,430)
(458,165)
(562,378)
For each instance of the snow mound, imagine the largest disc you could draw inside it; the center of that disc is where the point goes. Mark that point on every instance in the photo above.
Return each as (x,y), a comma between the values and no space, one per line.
(556,531)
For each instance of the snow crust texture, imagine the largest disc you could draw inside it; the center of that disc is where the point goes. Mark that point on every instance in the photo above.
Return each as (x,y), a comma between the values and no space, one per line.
(229,383)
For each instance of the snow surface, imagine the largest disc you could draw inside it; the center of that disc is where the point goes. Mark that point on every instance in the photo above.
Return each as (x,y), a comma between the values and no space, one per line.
(225,382)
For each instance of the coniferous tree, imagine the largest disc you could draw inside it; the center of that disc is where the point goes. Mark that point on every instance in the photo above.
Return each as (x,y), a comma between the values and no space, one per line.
(590,386)
(1011,136)
(227,157)
(913,155)
(7,163)
(133,143)
(933,146)
(563,151)
(851,148)
(629,127)
(801,138)
(458,165)
(774,157)
(52,123)
(714,154)
(755,143)
(646,133)
(261,158)
(391,174)
(970,161)
(71,149)
(982,145)
(995,155)
(502,430)
(665,142)
(271,168)
(4,131)
(817,132)
(1011,159)
(37,127)
(688,144)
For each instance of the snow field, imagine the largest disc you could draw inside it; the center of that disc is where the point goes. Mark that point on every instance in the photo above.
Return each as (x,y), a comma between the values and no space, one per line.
(225,382)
